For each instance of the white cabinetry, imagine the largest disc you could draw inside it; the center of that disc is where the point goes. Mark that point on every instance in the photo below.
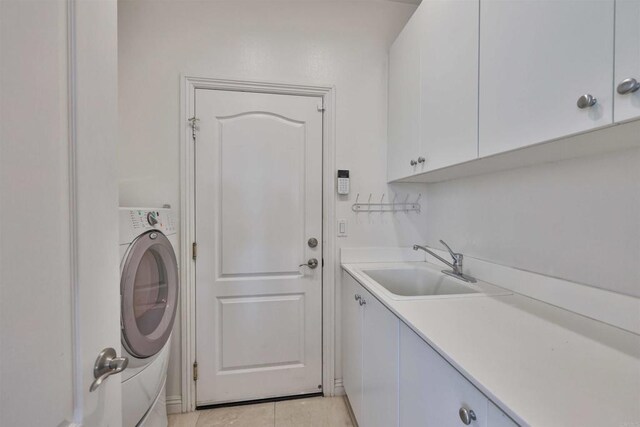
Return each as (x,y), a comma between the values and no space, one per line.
(627,104)
(352,343)
(394,378)
(379,364)
(370,356)
(404,101)
(497,418)
(432,392)
(472,82)
(433,89)
(449,82)
(537,58)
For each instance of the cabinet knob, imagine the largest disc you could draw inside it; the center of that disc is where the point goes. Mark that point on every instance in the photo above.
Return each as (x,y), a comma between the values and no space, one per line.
(628,86)
(421,160)
(362,301)
(586,101)
(357,297)
(466,415)
(413,162)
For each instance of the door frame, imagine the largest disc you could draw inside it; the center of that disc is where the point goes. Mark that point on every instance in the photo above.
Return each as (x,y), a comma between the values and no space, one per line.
(188,86)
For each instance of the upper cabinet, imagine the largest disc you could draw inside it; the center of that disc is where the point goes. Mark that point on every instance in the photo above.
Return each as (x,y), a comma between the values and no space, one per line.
(449,83)
(472,82)
(433,89)
(627,68)
(546,70)
(404,101)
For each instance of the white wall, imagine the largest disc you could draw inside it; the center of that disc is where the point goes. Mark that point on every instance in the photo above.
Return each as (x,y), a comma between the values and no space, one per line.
(341,43)
(576,219)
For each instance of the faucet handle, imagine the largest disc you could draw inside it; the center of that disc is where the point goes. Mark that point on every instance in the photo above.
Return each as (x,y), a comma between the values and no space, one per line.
(453,254)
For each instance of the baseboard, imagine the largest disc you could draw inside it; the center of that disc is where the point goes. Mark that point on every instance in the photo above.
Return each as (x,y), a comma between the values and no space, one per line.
(338,388)
(350,410)
(174,404)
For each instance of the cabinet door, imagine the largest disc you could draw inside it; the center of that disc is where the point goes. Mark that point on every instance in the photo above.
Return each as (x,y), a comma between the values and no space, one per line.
(537,57)
(497,418)
(627,105)
(403,134)
(432,391)
(352,344)
(380,365)
(449,82)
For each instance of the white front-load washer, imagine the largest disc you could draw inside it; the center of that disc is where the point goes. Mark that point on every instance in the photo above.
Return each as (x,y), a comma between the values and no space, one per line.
(149,284)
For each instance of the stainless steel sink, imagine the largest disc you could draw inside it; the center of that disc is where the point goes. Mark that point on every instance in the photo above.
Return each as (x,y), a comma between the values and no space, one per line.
(412,282)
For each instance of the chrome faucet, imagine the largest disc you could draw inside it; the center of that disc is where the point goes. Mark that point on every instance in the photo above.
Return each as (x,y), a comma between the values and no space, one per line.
(456,266)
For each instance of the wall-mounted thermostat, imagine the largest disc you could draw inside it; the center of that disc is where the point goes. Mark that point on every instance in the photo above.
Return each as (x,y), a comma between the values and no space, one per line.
(343,181)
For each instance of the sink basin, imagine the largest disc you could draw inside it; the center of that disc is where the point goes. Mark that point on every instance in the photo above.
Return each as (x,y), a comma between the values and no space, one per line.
(412,282)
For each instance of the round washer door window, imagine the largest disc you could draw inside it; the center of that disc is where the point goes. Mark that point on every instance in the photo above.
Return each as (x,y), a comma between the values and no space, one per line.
(149,289)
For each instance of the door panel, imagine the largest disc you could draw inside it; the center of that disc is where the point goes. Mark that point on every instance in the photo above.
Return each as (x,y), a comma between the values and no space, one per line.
(269,180)
(536,59)
(258,201)
(627,106)
(244,346)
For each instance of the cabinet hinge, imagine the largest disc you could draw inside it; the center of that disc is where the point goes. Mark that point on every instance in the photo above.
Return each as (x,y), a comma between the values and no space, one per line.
(193,122)
(194,250)
(195,371)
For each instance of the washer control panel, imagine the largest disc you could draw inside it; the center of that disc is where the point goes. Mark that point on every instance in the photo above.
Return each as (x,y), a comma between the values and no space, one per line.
(134,221)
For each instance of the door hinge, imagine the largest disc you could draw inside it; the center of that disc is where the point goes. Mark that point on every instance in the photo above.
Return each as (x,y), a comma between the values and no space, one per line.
(194,250)
(321,106)
(195,371)
(193,122)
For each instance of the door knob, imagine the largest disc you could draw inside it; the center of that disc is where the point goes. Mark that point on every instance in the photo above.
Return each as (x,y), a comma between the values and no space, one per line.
(467,415)
(312,242)
(628,86)
(312,263)
(586,101)
(106,365)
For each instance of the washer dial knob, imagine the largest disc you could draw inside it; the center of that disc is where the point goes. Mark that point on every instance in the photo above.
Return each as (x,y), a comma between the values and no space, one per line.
(151,218)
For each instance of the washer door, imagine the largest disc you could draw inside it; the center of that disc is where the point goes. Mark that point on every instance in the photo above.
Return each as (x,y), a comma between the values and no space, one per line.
(149,290)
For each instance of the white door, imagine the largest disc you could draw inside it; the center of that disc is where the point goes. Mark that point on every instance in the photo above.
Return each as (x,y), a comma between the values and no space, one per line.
(258,204)
(403,147)
(537,58)
(59,266)
(449,82)
(627,98)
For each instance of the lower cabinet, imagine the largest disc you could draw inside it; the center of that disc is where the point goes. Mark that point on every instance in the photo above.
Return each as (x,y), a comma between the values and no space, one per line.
(392,377)
(352,343)
(433,393)
(370,340)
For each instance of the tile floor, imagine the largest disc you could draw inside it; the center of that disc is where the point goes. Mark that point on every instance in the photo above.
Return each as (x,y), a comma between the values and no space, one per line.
(310,412)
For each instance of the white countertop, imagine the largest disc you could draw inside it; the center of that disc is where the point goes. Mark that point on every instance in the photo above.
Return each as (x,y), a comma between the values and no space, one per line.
(542,365)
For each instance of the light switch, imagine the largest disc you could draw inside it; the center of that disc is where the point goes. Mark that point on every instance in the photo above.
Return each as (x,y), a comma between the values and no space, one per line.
(342,228)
